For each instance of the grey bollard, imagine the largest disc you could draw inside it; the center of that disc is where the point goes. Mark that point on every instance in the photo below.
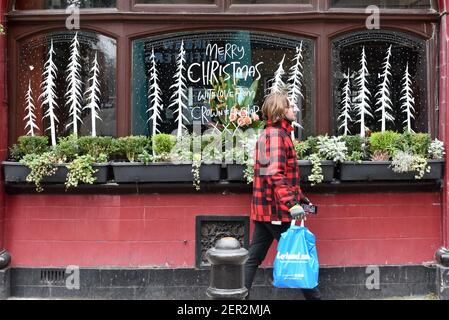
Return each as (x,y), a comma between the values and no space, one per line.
(442,256)
(227,278)
(5,259)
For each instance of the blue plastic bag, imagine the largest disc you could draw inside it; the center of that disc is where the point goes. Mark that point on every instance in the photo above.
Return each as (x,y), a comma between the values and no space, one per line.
(296,263)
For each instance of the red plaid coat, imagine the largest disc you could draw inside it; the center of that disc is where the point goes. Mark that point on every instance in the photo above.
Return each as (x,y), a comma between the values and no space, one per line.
(276,174)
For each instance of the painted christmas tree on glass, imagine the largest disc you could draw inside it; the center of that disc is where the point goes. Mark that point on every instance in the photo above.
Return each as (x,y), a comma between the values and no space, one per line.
(179,97)
(296,77)
(155,97)
(295,84)
(408,101)
(383,100)
(30,112)
(74,93)
(362,105)
(346,108)
(278,84)
(93,95)
(48,96)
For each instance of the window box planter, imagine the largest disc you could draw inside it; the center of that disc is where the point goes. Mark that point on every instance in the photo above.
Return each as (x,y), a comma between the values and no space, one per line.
(305,168)
(380,170)
(235,171)
(16,172)
(126,172)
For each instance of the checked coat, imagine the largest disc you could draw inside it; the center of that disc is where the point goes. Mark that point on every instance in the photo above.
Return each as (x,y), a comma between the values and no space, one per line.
(276,174)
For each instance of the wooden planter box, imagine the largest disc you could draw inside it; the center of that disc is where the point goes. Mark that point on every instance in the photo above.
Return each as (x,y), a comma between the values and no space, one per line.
(126,172)
(380,170)
(15,172)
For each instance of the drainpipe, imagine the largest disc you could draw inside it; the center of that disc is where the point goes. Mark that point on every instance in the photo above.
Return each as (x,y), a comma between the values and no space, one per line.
(442,254)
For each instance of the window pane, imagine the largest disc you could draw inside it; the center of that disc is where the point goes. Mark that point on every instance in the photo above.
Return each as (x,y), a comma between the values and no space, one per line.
(222,70)
(419,4)
(62,4)
(347,59)
(34,54)
(175,1)
(271,1)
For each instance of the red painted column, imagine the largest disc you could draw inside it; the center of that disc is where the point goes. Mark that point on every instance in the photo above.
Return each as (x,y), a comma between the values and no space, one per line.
(444,114)
(3,129)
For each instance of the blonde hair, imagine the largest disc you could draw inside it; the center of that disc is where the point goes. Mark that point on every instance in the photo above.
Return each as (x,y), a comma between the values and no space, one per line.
(274,106)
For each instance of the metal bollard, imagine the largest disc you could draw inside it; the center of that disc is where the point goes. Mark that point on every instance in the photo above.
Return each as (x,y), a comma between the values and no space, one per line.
(227,272)
(442,256)
(5,259)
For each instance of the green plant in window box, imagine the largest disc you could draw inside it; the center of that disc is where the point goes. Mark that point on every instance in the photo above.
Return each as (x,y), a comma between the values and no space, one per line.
(40,166)
(383,145)
(169,159)
(405,154)
(358,148)
(412,153)
(76,162)
(241,156)
(318,150)
(28,145)
(91,151)
(131,147)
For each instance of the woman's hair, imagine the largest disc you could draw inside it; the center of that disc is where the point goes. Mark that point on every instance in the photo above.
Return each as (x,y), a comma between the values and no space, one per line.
(274,106)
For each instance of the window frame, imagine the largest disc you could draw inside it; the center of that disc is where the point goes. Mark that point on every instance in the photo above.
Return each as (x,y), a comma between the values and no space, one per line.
(124,25)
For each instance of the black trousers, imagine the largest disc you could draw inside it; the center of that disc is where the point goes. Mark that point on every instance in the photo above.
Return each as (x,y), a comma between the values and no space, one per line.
(263,236)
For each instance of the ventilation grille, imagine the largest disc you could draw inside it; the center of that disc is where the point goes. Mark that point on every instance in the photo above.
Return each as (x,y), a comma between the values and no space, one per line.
(53,277)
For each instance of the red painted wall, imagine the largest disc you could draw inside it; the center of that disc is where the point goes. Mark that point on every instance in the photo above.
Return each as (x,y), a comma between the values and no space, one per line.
(151,230)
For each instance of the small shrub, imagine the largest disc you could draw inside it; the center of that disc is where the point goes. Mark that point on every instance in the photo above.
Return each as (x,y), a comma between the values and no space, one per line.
(100,148)
(29,145)
(131,147)
(302,149)
(357,148)
(67,148)
(417,143)
(385,142)
(163,144)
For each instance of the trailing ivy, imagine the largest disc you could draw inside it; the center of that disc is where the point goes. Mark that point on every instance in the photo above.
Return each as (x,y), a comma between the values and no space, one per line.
(81,170)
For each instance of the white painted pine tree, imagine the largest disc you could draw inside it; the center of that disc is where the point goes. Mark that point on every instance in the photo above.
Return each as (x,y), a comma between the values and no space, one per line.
(155,96)
(48,96)
(93,95)
(30,110)
(296,77)
(408,104)
(179,97)
(362,105)
(345,114)
(74,93)
(278,84)
(383,100)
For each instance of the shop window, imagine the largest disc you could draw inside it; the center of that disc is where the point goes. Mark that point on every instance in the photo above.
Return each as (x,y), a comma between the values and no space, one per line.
(385,74)
(62,4)
(33,61)
(220,70)
(393,4)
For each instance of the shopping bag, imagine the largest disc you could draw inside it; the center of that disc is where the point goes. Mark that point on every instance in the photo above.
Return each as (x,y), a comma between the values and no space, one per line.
(296,263)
